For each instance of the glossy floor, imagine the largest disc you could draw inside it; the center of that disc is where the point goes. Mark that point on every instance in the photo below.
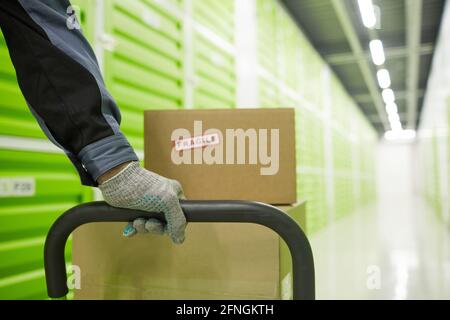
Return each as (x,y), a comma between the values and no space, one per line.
(379,255)
(396,249)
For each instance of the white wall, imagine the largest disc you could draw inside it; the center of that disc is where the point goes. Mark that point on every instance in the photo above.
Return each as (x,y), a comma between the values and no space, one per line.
(396,197)
(395,173)
(433,148)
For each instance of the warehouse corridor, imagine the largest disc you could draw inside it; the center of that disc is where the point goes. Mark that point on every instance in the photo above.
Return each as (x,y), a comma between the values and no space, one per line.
(367,255)
(338,111)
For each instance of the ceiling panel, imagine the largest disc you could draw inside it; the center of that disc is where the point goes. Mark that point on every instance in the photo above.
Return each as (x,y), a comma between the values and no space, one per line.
(320,23)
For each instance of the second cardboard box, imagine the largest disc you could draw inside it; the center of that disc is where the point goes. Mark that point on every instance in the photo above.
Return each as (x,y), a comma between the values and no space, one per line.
(232,154)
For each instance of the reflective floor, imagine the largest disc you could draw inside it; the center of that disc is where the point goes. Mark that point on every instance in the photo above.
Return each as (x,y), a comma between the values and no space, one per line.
(397,249)
(380,255)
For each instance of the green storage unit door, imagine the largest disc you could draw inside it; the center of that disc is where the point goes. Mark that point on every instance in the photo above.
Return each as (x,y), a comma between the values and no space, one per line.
(342,152)
(288,45)
(436,184)
(143,66)
(214,54)
(299,65)
(269,93)
(343,195)
(367,158)
(311,178)
(35,188)
(311,187)
(310,140)
(288,101)
(341,104)
(266,12)
(304,138)
(429,178)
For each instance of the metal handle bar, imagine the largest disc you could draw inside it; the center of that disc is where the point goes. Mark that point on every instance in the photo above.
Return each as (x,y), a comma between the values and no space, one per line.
(195,211)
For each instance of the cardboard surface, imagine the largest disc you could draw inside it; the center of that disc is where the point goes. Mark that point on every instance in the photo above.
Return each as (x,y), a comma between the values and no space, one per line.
(222,162)
(217,261)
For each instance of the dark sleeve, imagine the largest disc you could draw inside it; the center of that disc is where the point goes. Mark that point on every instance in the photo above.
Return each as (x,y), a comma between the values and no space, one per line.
(60,79)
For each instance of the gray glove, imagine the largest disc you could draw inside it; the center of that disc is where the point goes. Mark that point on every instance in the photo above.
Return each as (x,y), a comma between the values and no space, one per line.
(140,189)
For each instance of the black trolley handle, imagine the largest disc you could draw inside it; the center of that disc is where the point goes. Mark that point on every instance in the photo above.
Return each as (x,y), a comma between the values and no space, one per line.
(195,211)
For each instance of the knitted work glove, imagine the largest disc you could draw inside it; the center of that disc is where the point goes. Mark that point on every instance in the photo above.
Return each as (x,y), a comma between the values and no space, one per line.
(140,189)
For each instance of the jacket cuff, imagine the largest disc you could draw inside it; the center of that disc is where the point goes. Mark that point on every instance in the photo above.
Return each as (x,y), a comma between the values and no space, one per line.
(105,154)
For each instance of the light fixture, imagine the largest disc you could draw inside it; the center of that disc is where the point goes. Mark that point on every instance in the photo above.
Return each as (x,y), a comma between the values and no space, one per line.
(377,52)
(384,79)
(388,96)
(391,108)
(396,126)
(367,13)
(394,117)
(400,135)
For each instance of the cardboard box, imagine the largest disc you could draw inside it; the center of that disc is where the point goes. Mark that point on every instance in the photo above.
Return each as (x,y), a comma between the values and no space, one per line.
(217,261)
(233,154)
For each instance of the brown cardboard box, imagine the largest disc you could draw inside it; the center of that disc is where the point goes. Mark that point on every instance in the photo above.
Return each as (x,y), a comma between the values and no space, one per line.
(240,154)
(217,261)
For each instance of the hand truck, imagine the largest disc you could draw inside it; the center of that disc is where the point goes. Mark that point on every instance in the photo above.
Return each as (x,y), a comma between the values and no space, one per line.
(196,212)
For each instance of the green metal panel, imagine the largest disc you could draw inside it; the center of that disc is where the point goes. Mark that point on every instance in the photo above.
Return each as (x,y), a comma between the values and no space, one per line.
(218,16)
(15,117)
(428,166)
(267,35)
(435,171)
(26,217)
(299,65)
(311,187)
(341,152)
(286,101)
(144,67)
(312,75)
(268,93)
(343,108)
(311,168)
(213,65)
(25,220)
(343,195)
(309,138)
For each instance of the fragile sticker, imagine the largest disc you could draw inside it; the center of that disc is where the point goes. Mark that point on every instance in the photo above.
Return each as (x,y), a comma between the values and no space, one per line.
(197,142)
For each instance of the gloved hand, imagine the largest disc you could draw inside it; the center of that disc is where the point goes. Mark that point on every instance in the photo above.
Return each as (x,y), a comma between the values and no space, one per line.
(137,188)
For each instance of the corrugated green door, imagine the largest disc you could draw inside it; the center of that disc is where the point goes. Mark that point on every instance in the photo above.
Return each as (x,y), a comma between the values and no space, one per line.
(35,188)
(268,91)
(37,184)
(143,62)
(214,56)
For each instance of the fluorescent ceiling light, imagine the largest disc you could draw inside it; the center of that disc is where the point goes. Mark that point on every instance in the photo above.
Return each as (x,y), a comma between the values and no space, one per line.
(394,117)
(377,52)
(391,108)
(384,79)
(367,13)
(400,135)
(388,96)
(396,126)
